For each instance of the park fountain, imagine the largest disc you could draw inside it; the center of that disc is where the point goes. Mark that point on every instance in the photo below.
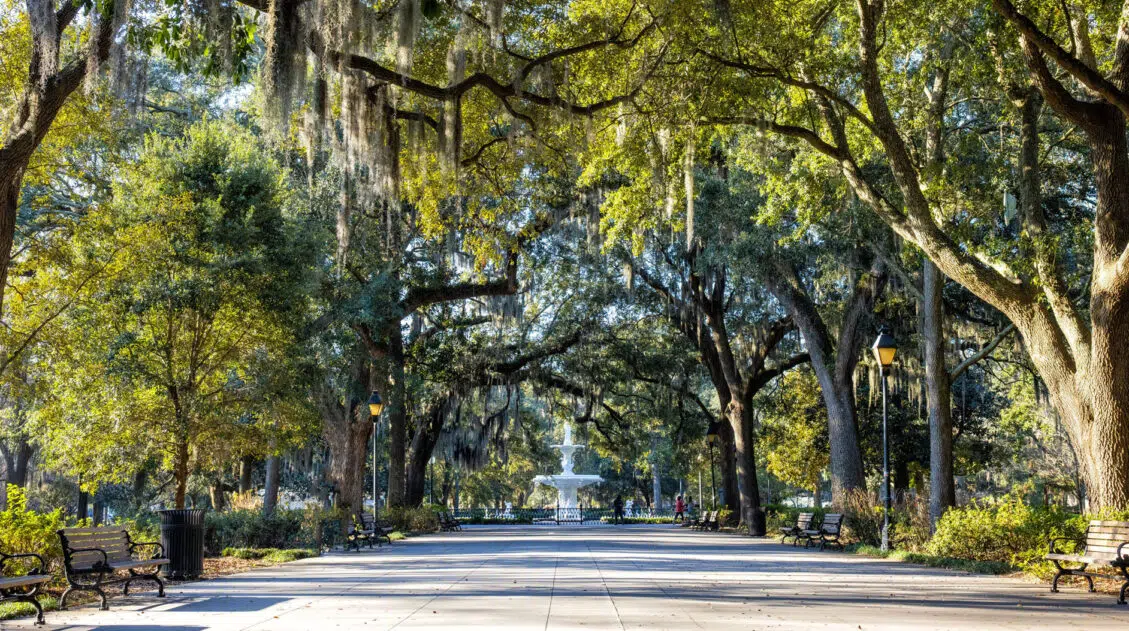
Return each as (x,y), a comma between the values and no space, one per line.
(567,482)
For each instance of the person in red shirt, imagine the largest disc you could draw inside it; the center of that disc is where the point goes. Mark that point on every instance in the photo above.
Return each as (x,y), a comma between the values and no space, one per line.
(679,509)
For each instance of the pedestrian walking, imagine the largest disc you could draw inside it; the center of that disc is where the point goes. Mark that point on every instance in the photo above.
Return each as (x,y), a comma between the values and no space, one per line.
(679,509)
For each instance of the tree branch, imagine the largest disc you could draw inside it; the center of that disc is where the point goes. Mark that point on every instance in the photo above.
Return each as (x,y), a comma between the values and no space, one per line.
(1085,75)
(982,353)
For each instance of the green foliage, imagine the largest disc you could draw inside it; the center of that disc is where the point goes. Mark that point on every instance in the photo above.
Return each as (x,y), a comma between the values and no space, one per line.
(26,531)
(1008,531)
(270,555)
(419,519)
(9,611)
(186,346)
(793,432)
(284,529)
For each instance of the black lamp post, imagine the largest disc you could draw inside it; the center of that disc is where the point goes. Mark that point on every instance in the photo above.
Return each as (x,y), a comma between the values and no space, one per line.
(711,438)
(884,350)
(375,407)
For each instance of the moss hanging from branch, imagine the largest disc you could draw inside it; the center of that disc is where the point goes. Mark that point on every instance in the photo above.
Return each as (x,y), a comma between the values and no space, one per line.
(284,61)
(407,30)
(118,18)
(44,27)
(688,183)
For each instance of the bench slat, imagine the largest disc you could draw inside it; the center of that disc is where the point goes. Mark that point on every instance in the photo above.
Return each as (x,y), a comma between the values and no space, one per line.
(8,582)
(71,532)
(1110,529)
(1082,558)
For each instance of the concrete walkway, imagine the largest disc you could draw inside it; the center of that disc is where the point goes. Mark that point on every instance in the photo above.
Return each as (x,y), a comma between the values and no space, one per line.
(599,578)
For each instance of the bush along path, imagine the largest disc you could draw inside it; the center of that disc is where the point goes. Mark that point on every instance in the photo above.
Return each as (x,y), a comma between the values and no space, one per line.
(1005,537)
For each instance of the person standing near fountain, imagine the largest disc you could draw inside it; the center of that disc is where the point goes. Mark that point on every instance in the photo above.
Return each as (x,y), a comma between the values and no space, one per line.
(617,506)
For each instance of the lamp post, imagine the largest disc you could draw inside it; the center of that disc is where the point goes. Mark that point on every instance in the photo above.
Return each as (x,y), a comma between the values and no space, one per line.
(431,474)
(884,350)
(711,438)
(375,407)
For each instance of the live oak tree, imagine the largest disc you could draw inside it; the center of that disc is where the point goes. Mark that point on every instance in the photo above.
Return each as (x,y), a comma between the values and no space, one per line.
(178,347)
(846,82)
(59,47)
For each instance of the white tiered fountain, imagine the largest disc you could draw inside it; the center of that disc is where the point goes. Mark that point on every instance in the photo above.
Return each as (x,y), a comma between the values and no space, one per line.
(567,482)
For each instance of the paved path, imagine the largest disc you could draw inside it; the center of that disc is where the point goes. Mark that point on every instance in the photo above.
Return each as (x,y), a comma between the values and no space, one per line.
(599,578)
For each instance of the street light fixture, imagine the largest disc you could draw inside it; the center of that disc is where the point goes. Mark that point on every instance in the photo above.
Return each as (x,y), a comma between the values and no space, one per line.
(884,350)
(375,407)
(711,439)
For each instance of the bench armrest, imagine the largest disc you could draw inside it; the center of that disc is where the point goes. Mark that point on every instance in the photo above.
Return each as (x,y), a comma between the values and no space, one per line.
(42,569)
(149,544)
(1121,552)
(1055,540)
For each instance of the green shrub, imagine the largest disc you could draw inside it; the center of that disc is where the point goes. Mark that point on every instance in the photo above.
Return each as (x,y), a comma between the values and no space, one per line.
(26,531)
(270,555)
(726,517)
(862,516)
(1007,531)
(285,529)
(419,519)
(286,556)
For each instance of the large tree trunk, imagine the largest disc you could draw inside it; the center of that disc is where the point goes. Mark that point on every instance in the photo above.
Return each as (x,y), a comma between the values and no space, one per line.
(180,471)
(217,492)
(1107,381)
(348,439)
(11,182)
(942,493)
(741,422)
(83,508)
(397,418)
(423,445)
(727,468)
(246,469)
(270,488)
(834,366)
(18,459)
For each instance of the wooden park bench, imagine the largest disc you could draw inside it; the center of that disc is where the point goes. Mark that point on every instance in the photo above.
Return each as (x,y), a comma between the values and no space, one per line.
(92,557)
(828,532)
(708,521)
(24,588)
(803,522)
(366,529)
(1106,543)
(448,523)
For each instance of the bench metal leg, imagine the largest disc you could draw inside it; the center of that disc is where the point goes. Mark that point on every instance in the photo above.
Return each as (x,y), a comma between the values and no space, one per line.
(28,598)
(73,587)
(1054,581)
(134,576)
(1124,584)
(38,608)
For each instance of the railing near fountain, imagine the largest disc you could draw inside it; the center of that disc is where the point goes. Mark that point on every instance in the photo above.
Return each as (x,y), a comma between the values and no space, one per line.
(580,515)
